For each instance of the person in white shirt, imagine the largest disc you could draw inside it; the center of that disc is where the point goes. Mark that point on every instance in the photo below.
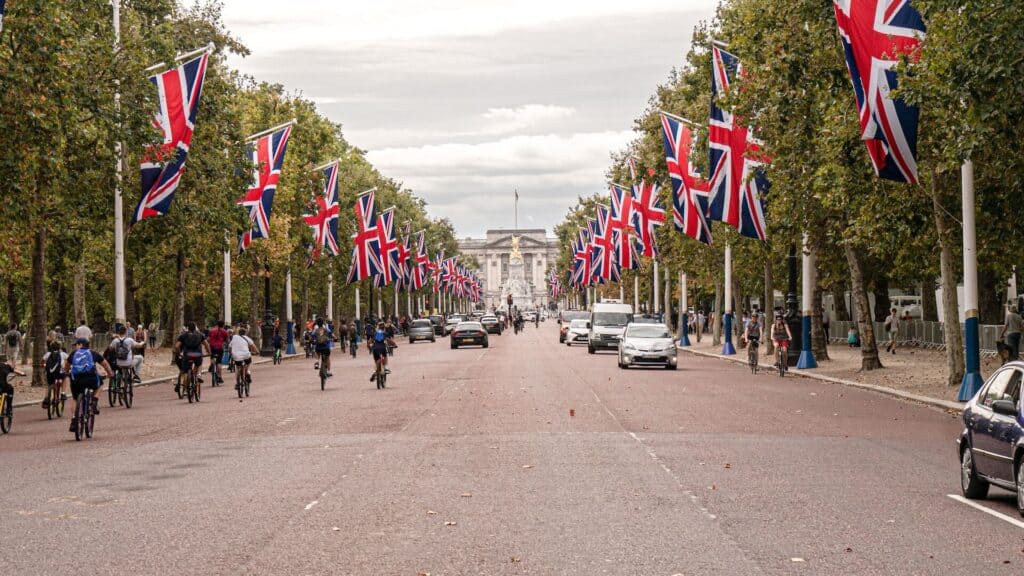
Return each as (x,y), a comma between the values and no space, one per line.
(242,348)
(124,348)
(83,331)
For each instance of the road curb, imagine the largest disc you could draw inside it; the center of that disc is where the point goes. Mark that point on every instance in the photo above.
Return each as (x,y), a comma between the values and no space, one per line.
(928,400)
(161,380)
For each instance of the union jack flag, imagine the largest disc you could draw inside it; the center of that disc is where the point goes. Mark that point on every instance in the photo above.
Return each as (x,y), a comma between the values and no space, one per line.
(366,254)
(621,223)
(404,278)
(267,153)
(555,284)
(324,220)
(689,190)
(421,262)
(738,184)
(650,214)
(436,270)
(606,264)
(874,34)
(389,271)
(178,92)
(582,272)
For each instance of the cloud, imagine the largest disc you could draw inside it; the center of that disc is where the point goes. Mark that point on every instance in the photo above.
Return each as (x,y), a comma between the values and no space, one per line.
(505,120)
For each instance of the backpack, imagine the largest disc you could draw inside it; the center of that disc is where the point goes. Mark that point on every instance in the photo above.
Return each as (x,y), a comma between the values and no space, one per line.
(53,363)
(379,336)
(82,362)
(122,349)
(12,339)
(322,338)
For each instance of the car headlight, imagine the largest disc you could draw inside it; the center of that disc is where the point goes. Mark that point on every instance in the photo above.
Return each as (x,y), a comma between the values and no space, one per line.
(628,346)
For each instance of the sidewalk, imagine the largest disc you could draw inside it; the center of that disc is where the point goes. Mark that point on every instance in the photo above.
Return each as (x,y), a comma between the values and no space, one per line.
(912,373)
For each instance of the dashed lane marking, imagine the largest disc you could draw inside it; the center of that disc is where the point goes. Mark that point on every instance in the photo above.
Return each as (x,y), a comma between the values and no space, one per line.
(311,504)
(1016,522)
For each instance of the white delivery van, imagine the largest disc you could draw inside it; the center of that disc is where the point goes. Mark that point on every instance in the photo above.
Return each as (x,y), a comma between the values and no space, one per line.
(607,323)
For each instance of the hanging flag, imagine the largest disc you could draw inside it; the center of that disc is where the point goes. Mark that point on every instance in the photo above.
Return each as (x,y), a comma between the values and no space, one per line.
(689,190)
(388,249)
(324,219)
(404,277)
(650,214)
(622,225)
(267,154)
(738,184)
(366,254)
(421,262)
(874,35)
(606,264)
(436,270)
(178,92)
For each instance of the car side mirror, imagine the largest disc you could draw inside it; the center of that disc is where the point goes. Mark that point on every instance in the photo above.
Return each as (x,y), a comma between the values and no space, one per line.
(588,324)
(1005,407)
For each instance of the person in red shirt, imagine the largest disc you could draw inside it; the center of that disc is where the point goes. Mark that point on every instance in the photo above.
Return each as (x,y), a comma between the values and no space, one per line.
(218,336)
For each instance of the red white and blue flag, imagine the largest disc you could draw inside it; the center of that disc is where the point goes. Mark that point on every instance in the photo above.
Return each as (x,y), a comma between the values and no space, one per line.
(581,250)
(689,190)
(622,225)
(324,219)
(366,261)
(267,154)
(404,278)
(738,184)
(437,270)
(875,34)
(389,271)
(421,262)
(178,93)
(650,214)
(606,262)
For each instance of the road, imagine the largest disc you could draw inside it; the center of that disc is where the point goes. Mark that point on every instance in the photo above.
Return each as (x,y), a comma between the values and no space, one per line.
(524,458)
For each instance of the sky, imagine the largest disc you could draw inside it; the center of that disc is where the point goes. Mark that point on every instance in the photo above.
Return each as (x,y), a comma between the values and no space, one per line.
(467,101)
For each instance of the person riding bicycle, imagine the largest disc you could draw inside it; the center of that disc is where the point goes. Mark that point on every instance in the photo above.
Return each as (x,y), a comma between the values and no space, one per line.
(218,338)
(124,347)
(82,366)
(322,342)
(780,334)
(379,344)
(241,348)
(190,348)
(53,362)
(389,333)
(752,335)
(6,369)
(278,342)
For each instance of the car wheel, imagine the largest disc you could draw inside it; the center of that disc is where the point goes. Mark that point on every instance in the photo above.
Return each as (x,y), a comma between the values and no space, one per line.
(670,366)
(454,345)
(411,340)
(971,485)
(432,340)
(485,343)
(561,339)
(1020,486)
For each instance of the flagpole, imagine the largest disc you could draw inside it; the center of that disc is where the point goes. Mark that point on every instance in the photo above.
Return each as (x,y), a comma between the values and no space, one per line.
(119,274)
(359,315)
(728,349)
(516,210)
(657,289)
(290,325)
(380,306)
(684,316)
(227,282)
(972,380)
(636,293)
(271,130)
(330,296)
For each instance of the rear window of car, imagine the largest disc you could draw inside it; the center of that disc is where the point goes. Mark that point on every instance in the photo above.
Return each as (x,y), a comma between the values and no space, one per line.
(469,326)
(422,323)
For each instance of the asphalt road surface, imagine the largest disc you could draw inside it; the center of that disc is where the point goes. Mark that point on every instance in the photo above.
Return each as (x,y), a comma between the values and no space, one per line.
(524,458)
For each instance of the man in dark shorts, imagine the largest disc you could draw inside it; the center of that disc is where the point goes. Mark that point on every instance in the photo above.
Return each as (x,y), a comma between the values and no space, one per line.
(190,348)
(218,337)
(322,341)
(82,365)
(379,343)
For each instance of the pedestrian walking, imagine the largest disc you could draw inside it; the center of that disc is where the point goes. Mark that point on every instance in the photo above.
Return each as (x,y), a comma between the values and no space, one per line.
(1011,333)
(12,343)
(82,331)
(892,326)
(824,324)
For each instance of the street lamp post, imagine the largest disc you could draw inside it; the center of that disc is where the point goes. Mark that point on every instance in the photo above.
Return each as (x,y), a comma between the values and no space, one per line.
(728,349)
(972,375)
(267,331)
(792,311)
(806,359)
(119,275)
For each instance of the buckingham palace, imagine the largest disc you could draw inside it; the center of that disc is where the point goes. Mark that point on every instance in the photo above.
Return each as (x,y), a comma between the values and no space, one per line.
(513,262)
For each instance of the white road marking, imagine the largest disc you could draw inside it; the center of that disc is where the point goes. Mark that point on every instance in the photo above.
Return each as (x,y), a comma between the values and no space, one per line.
(286,421)
(1016,522)
(311,504)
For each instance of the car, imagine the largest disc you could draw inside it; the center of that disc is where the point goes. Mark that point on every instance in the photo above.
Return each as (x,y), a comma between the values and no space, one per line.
(469,333)
(607,323)
(647,345)
(530,316)
(492,325)
(578,333)
(438,322)
(421,329)
(991,444)
(452,322)
(646,319)
(565,318)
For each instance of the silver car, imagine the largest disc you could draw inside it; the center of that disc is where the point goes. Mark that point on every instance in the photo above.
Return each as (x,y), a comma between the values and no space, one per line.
(578,333)
(647,345)
(421,329)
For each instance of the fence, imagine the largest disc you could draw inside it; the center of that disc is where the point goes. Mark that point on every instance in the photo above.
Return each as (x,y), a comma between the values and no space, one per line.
(98,342)
(919,333)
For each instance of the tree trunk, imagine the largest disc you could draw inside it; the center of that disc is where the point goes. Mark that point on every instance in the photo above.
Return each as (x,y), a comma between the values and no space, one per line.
(13,317)
(929,311)
(819,341)
(178,313)
(881,295)
(991,295)
(868,346)
(62,302)
(78,294)
(842,311)
(768,306)
(952,337)
(38,305)
(716,328)
(305,297)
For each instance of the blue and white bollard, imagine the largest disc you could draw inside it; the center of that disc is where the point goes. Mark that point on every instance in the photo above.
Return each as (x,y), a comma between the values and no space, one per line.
(972,375)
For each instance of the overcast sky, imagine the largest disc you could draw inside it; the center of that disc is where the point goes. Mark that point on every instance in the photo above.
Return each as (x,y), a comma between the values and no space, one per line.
(466,100)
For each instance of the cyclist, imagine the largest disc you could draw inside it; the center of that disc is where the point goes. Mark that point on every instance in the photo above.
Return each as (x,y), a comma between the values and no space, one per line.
(54,361)
(6,369)
(124,347)
(752,335)
(322,341)
(379,344)
(389,333)
(190,348)
(242,348)
(781,335)
(218,337)
(278,342)
(82,367)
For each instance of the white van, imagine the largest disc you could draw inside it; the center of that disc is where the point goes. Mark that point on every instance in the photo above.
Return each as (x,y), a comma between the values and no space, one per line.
(607,323)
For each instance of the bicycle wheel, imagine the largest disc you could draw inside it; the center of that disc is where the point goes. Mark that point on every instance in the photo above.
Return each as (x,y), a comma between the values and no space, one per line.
(83,404)
(198,390)
(238,383)
(128,394)
(323,378)
(112,389)
(90,421)
(248,381)
(60,404)
(191,392)
(6,415)
(180,388)
(51,404)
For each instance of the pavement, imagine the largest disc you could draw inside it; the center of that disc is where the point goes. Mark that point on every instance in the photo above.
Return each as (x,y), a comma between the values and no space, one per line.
(527,457)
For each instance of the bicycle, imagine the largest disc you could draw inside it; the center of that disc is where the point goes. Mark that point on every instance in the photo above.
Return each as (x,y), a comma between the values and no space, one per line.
(6,413)
(752,352)
(382,374)
(782,359)
(55,399)
(353,346)
(192,388)
(240,386)
(322,371)
(277,356)
(85,415)
(122,387)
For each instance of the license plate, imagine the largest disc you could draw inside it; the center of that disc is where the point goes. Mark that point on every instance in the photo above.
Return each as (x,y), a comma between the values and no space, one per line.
(466,340)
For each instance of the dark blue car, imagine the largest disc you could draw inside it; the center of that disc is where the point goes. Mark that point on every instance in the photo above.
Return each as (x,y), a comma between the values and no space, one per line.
(992,442)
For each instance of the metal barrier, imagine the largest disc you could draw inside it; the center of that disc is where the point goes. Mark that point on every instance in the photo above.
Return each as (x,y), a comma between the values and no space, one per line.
(929,335)
(97,342)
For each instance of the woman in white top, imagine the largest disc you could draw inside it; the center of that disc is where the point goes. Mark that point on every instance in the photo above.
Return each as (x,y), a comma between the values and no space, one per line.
(242,348)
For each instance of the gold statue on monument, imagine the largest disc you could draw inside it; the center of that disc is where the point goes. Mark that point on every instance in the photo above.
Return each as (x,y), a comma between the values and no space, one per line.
(516,254)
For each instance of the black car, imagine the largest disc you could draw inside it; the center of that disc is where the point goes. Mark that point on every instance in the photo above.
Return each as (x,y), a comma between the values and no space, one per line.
(991,444)
(438,322)
(469,334)
(492,325)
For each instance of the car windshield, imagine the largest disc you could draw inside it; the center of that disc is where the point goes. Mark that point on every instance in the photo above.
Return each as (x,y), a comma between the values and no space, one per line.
(489,319)
(612,318)
(469,326)
(648,331)
(578,324)
(571,315)
(422,324)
